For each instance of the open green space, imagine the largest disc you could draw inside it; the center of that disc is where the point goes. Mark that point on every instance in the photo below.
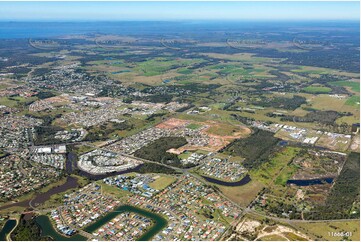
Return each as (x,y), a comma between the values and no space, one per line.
(322,230)
(162,182)
(158,66)
(286,174)
(184,71)
(353,101)
(273,237)
(317,89)
(242,195)
(268,171)
(113,190)
(193,126)
(355,86)
(17,101)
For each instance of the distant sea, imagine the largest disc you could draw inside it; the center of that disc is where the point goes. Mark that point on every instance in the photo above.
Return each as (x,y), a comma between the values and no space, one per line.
(13,29)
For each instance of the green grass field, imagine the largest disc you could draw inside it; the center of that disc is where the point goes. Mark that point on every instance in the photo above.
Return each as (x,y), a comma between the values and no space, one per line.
(272,238)
(159,66)
(269,170)
(184,155)
(113,190)
(21,100)
(317,89)
(355,86)
(224,129)
(242,195)
(353,101)
(311,70)
(3,86)
(321,230)
(285,175)
(162,182)
(293,237)
(194,126)
(185,71)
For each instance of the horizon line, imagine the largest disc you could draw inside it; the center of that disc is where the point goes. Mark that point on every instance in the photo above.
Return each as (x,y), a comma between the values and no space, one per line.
(173,20)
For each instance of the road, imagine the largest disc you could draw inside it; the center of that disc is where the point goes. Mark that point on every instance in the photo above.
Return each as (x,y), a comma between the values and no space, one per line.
(81,232)
(245,210)
(180,170)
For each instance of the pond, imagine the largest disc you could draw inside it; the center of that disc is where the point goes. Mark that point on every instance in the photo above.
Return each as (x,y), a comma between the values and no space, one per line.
(8,227)
(159,222)
(310,182)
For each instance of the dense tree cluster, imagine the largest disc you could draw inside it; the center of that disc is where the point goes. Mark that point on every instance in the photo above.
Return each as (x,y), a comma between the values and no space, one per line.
(282,102)
(154,168)
(27,230)
(342,200)
(45,135)
(325,117)
(102,131)
(255,148)
(157,151)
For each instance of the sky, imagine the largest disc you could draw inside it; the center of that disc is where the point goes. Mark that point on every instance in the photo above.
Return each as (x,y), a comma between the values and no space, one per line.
(113,11)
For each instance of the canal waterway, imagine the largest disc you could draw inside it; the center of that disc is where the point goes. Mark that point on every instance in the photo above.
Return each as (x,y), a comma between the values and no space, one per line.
(158,222)
(8,227)
(47,229)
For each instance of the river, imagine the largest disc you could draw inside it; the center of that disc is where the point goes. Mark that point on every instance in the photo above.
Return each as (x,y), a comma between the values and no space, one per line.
(241,182)
(70,183)
(38,199)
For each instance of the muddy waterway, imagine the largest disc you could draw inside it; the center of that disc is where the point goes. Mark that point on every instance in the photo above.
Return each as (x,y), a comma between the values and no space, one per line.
(71,182)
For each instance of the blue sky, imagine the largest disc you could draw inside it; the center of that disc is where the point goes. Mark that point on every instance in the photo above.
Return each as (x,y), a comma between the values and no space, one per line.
(60,11)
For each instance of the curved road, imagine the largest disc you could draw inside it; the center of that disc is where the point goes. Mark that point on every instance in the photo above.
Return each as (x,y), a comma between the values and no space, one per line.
(245,210)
